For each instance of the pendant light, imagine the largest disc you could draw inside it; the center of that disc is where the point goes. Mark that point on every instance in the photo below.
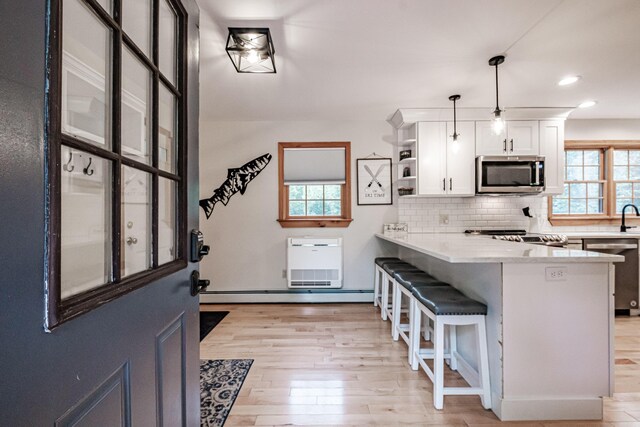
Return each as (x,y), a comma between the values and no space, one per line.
(497,124)
(455,135)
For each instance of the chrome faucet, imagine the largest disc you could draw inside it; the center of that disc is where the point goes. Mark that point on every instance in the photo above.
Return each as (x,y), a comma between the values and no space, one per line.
(624,228)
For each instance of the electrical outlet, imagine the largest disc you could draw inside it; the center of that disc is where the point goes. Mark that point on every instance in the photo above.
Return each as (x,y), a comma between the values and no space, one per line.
(284,274)
(444,219)
(556,274)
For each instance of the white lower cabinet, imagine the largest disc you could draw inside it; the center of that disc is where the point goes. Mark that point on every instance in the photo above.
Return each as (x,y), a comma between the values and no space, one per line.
(446,167)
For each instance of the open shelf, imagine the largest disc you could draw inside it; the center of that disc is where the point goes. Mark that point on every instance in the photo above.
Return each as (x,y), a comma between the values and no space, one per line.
(408,160)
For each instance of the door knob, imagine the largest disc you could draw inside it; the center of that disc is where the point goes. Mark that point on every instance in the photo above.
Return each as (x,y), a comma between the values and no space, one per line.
(198,285)
(131,240)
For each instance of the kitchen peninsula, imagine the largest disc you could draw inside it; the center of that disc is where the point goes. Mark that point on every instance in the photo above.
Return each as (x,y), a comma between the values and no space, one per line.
(549,321)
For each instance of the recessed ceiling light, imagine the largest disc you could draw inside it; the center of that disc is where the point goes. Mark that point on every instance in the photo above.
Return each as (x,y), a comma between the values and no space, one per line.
(568,80)
(587,104)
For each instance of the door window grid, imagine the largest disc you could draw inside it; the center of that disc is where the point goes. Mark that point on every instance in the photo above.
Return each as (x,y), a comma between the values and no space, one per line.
(109,158)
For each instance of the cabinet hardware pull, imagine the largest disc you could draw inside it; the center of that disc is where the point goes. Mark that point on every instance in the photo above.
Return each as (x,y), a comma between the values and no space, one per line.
(444,184)
(504,145)
(511,145)
(450,184)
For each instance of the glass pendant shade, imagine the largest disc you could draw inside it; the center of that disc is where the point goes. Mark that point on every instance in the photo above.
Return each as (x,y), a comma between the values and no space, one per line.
(497,123)
(251,50)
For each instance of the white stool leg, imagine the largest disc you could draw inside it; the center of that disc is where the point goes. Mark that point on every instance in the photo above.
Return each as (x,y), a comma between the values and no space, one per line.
(414,335)
(376,284)
(396,308)
(426,334)
(453,348)
(438,364)
(483,364)
(411,332)
(384,300)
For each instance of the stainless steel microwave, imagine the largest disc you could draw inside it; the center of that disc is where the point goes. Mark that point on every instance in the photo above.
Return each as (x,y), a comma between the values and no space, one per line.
(509,174)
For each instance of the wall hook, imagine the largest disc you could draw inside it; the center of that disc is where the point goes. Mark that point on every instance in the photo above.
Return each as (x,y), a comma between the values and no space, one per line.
(86,170)
(68,167)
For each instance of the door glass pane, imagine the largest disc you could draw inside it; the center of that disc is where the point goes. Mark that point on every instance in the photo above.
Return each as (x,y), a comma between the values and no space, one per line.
(166,130)
(136,221)
(136,23)
(85,75)
(167,42)
(85,222)
(166,220)
(106,5)
(136,108)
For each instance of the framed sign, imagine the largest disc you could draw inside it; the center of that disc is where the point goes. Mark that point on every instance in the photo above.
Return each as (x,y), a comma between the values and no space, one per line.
(374,181)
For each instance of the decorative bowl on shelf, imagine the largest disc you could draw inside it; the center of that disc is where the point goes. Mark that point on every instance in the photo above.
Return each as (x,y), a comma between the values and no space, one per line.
(405,154)
(405,191)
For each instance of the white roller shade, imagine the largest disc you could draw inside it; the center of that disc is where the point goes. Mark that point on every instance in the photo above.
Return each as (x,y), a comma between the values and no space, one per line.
(314,166)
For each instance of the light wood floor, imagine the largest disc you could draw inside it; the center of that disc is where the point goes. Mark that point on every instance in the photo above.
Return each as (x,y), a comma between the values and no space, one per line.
(337,365)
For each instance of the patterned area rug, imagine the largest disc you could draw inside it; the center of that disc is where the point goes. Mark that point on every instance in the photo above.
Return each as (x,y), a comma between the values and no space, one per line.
(220,383)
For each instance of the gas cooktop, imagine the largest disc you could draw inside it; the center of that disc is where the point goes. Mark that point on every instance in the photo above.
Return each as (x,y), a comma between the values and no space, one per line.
(522,237)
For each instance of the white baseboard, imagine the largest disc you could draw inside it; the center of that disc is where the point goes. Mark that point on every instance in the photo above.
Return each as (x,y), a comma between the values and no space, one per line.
(285,297)
(536,409)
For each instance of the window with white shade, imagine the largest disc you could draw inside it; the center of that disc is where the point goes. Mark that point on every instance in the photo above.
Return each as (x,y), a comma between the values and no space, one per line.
(314,185)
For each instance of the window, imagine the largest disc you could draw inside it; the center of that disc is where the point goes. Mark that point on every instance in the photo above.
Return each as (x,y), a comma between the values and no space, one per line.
(115,157)
(600,178)
(314,184)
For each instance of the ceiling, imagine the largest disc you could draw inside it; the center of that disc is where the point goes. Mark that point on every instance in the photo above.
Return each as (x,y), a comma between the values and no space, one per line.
(363,59)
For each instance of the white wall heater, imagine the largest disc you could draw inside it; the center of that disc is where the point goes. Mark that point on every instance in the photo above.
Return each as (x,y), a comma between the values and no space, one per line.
(314,263)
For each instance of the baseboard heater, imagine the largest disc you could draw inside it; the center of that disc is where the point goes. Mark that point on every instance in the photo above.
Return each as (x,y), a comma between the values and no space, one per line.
(314,263)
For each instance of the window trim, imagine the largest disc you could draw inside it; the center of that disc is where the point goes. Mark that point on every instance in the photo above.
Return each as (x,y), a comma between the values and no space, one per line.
(287,221)
(59,311)
(609,217)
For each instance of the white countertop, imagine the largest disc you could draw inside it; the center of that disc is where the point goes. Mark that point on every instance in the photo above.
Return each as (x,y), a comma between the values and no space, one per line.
(462,248)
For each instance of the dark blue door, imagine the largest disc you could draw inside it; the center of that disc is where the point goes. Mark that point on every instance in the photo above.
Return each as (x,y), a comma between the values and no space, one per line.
(98,331)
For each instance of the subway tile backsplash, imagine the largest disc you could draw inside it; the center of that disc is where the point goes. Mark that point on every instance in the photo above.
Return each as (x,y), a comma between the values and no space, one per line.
(451,215)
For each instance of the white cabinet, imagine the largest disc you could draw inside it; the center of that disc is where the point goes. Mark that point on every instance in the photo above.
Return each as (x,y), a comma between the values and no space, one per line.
(520,138)
(446,167)
(552,148)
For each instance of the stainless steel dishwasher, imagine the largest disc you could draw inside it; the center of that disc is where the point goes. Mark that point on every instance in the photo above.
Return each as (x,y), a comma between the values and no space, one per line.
(626,286)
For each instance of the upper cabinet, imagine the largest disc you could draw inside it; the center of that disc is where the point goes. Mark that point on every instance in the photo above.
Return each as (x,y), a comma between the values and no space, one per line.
(552,148)
(445,166)
(520,138)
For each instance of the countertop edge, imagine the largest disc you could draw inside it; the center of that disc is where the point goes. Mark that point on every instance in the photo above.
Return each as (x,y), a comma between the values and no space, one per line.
(505,259)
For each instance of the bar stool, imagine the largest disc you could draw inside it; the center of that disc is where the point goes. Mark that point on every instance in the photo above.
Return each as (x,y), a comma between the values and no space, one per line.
(403,284)
(377,274)
(388,270)
(450,307)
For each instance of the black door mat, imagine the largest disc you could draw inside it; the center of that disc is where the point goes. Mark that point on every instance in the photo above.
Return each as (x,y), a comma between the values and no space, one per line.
(209,320)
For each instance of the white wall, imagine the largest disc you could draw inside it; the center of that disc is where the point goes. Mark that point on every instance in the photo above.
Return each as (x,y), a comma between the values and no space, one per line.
(624,129)
(248,245)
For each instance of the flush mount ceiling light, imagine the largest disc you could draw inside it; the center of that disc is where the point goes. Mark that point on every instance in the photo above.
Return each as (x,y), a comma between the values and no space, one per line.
(587,104)
(497,121)
(251,50)
(568,80)
(455,135)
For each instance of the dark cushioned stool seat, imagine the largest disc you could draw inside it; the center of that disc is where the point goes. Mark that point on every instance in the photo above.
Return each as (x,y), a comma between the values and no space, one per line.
(447,300)
(384,260)
(392,267)
(409,279)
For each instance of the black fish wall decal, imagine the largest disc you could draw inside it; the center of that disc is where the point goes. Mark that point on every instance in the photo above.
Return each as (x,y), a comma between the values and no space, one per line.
(237,181)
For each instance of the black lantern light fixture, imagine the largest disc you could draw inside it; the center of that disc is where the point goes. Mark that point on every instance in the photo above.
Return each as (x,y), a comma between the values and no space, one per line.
(497,121)
(455,135)
(251,50)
